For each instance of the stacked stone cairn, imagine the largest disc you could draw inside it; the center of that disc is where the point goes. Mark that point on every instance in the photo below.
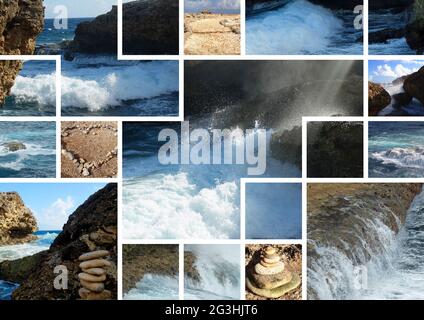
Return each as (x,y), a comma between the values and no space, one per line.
(92,278)
(270,278)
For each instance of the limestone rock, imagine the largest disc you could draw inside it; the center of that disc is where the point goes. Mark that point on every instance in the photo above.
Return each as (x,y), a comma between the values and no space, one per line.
(378,98)
(95,271)
(93,286)
(91,278)
(96,263)
(94,255)
(275,292)
(20,23)
(88,295)
(17,223)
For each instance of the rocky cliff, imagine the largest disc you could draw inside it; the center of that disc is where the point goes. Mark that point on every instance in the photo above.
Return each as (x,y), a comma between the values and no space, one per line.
(149,27)
(17,224)
(93,226)
(378,98)
(414,85)
(21,21)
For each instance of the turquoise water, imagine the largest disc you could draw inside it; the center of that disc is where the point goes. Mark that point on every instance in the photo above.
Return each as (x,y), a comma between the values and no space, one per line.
(396,149)
(14,252)
(38,160)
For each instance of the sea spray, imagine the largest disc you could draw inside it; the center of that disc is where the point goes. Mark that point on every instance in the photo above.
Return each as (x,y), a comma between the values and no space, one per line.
(383,265)
(218,269)
(154,287)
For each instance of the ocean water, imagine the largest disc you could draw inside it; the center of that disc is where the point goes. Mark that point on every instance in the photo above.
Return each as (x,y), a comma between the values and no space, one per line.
(219,271)
(14,252)
(154,287)
(100,85)
(301,27)
(388,19)
(38,160)
(103,86)
(414,108)
(396,149)
(396,272)
(273,211)
(181,201)
(34,91)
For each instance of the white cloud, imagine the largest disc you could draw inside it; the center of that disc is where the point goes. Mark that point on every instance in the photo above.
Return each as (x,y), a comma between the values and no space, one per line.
(398,71)
(56,215)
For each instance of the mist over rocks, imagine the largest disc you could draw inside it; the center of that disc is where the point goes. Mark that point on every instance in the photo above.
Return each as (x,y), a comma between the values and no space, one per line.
(92,226)
(274,93)
(21,21)
(17,223)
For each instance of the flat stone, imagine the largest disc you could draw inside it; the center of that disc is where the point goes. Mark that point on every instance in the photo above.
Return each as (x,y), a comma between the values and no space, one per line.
(97,263)
(95,271)
(91,278)
(277,268)
(93,286)
(276,292)
(93,255)
(271,260)
(85,172)
(271,281)
(88,295)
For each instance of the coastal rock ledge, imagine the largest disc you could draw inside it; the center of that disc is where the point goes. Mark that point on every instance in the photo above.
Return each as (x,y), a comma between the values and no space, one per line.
(17,224)
(21,21)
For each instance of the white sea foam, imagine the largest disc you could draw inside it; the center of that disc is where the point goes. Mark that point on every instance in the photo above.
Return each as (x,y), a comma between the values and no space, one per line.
(169,206)
(40,89)
(402,157)
(299,27)
(18,251)
(218,268)
(395,270)
(99,88)
(154,287)
(19,157)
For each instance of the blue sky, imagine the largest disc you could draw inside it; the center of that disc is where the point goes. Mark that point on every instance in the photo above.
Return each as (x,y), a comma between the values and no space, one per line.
(384,71)
(79,8)
(52,203)
(217,6)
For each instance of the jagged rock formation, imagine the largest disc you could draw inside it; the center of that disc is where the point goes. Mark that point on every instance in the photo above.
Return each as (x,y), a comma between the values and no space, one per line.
(335,150)
(378,98)
(98,35)
(93,226)
(21,21)
(345,216)
(149,27)
(414,85)
(17,224)
(138,260)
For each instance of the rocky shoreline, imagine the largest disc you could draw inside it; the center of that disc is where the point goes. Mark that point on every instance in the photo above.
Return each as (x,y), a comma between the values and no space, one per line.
(93,226)
(412,84)
(341,216)
(20,23)
(139,260)
(208,33)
